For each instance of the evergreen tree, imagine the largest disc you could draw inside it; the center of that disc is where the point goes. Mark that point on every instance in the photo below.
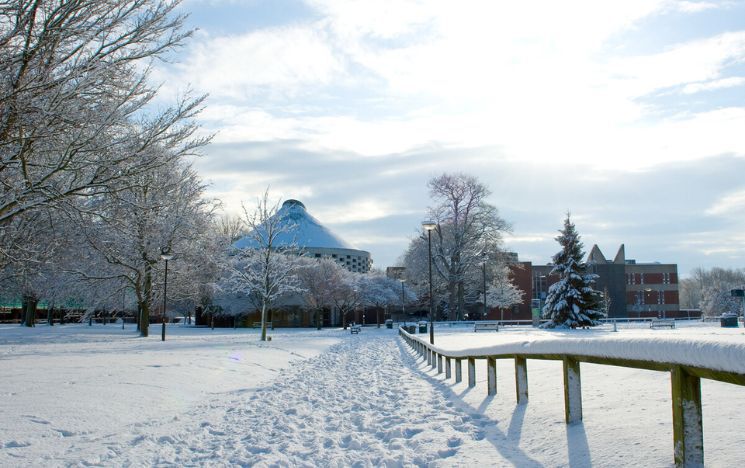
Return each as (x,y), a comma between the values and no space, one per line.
(572,302)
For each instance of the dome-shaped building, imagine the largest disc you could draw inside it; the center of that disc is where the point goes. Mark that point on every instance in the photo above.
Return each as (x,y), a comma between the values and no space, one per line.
(305,232)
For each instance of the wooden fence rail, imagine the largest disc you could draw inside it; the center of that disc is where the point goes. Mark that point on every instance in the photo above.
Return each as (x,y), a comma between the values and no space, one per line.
(688,439)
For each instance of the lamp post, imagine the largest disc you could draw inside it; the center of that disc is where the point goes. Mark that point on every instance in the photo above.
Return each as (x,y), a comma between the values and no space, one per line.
(429,226)
(165,255)
(403,307)
(483,270)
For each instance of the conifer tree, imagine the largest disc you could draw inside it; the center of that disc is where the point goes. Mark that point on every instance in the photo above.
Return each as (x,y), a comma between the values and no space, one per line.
(572,302)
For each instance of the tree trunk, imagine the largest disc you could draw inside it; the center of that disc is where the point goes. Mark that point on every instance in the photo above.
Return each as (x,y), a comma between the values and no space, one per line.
(30,304)
(145,302)
(263,321)
(461,302)
(452,300)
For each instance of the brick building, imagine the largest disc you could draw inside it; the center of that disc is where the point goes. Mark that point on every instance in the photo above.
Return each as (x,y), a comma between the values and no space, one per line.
(635,289)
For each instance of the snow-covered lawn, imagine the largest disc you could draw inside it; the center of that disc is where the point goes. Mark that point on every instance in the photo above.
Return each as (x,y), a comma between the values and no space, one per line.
(76,395)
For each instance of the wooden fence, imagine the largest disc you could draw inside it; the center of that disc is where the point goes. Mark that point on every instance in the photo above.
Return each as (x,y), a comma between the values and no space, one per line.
(688,435)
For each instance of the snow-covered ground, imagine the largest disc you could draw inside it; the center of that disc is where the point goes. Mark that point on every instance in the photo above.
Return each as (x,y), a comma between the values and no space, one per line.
(76,395)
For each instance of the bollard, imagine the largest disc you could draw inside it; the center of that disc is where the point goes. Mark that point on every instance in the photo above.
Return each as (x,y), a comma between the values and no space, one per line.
(471,372)
(491,376)
(572,391)
(521,379)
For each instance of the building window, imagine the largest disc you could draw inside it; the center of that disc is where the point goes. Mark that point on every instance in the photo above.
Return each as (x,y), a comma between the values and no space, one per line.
(641,278)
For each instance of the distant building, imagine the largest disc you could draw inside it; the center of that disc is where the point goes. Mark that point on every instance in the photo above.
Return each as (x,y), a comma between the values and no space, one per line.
(635,289)
(315,240)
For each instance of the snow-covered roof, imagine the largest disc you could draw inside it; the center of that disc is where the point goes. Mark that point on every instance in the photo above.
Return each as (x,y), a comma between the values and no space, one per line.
(303,231)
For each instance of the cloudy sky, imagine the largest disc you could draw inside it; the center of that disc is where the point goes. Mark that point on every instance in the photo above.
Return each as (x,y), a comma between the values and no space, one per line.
(630,114)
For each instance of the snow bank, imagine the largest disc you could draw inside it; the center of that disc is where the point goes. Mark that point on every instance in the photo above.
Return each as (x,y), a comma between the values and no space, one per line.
(65,384)
(713,348)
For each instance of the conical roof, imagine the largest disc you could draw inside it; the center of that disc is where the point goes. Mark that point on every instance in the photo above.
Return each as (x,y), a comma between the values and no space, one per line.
(303,230)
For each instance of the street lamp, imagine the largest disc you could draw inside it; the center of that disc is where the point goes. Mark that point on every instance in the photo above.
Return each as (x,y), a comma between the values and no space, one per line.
(483,270)
(403,307)
(429,226)
(165,255)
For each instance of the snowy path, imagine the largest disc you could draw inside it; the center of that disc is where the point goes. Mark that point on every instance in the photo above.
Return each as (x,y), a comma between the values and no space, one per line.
(76,396)
(363,402)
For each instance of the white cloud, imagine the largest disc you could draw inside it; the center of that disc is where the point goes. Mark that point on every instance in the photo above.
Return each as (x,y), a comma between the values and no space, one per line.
(691,62)
(730,204)
(695,7)
(355,210)
(551,85)
(483,74)
(280,60)
(723,83)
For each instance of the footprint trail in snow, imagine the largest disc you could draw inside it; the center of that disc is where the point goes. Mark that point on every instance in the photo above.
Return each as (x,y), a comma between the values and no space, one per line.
(360,403)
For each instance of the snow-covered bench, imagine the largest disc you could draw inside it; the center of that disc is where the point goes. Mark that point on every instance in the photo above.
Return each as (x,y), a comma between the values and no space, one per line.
(355,329)
(658,323)
(486,326)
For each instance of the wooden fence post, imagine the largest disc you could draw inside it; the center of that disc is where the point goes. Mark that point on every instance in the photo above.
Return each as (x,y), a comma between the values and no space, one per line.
(447,368)
(572,391)
(458,370)
(471,372)
(439,363)
(491,375)
(521,379)
(434,360)
(688,432)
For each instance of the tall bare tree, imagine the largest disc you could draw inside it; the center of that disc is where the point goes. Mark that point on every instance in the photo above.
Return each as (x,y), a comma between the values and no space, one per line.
(265,269)
(73,88)
(162,211)
(467,228)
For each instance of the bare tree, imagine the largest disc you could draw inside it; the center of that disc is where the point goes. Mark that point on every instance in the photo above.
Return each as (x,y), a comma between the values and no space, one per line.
(265,269)
(467,228)
(74,120)
(319,278)
(346,295)
(126,232)
(501,292)
(230,227)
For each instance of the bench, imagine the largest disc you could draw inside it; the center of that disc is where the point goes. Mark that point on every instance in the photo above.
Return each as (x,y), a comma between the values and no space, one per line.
(486,326)
(355,329)
(258,325)
(662,323)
